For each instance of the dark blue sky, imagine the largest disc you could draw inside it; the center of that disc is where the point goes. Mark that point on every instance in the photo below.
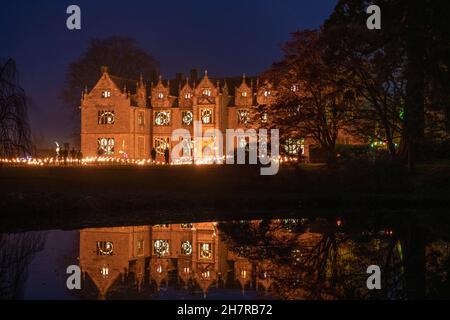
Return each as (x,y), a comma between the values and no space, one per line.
(226,37)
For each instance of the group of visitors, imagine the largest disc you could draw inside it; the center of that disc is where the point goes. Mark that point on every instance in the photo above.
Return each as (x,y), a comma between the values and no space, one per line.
(63,155)
(166,155)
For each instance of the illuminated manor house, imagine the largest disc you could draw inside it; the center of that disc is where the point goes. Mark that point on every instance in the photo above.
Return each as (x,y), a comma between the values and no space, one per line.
(127,118)
(189,256)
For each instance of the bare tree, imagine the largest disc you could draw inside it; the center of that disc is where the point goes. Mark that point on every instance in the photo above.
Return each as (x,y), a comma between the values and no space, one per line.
(14,129)
(16,253)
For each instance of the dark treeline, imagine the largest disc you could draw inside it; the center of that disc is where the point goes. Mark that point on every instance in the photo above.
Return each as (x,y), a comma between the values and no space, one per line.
(15,134)
(388,85)
(327,257)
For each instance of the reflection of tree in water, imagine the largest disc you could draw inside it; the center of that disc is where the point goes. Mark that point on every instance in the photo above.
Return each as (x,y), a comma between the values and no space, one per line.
(16,253)
(327,258)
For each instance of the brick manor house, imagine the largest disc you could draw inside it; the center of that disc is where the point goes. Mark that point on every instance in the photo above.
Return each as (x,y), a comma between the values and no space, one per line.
(126,118)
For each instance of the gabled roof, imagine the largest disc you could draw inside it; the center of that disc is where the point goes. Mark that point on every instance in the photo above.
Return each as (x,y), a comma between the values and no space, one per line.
(122,82)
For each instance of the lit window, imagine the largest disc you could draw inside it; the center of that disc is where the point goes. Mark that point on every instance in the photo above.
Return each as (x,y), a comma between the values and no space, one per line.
(207,116)
(187,117)
(186,248)
(161,225)
(141,118)
(105,146)
(162,118)
(205,250)
(206,92)
(244,93)
(161,248)
(105,248)
(105,117)
(264,117)
(140,247)
(243,116)
(206,274)
(161,144)
(187,225)
(106,94)
(266,93)
(294,88)
(188,95)
(104,271)
(294,146)
(160,95)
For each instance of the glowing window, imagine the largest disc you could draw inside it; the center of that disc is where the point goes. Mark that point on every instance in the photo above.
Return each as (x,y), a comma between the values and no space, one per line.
(160,95)
(243,116)
(140,247)
(294,146)
(161,144)
(106,94)
(294,88)
(205,250)
(188,95)
(206,92)
(141,119)
(264,117)
(266,93)
(105,117)
(206,116)
(104,271)
(105,248)
(244,93)
(105,146)
(186,248)
(187,117)
(162,118)
(161,248)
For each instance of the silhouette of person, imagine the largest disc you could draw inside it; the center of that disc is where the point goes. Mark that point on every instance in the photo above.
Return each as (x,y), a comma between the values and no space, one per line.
(72,154)
(79,156)
(65,155)
(166,155)
(153,154)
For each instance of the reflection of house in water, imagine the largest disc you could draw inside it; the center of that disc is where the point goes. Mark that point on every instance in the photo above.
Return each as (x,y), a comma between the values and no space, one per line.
(187,256)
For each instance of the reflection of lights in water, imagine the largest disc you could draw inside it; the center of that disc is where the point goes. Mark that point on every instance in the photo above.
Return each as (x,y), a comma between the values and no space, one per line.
(105,271)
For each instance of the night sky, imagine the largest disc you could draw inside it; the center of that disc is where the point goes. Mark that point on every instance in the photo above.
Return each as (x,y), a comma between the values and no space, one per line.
(226,37)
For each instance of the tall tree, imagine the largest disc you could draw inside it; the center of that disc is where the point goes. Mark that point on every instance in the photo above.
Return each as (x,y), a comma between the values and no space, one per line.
(309,101)
(123,57)
(401,67)
(373,62)
(15,139)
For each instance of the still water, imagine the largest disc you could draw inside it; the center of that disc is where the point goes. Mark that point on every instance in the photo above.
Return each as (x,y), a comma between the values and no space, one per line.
(257,259)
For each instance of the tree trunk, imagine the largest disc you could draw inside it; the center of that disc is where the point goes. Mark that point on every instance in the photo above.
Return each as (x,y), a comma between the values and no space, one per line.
(414,106)
(414,260)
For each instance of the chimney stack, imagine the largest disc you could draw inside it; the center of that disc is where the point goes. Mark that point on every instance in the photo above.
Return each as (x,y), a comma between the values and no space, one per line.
(103,69)
(194,74)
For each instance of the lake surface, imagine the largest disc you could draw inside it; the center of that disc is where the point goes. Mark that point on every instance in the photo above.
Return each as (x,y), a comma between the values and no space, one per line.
(296,258)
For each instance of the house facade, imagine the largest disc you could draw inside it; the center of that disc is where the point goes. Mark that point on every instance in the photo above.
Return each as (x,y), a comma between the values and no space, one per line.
(127,118)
